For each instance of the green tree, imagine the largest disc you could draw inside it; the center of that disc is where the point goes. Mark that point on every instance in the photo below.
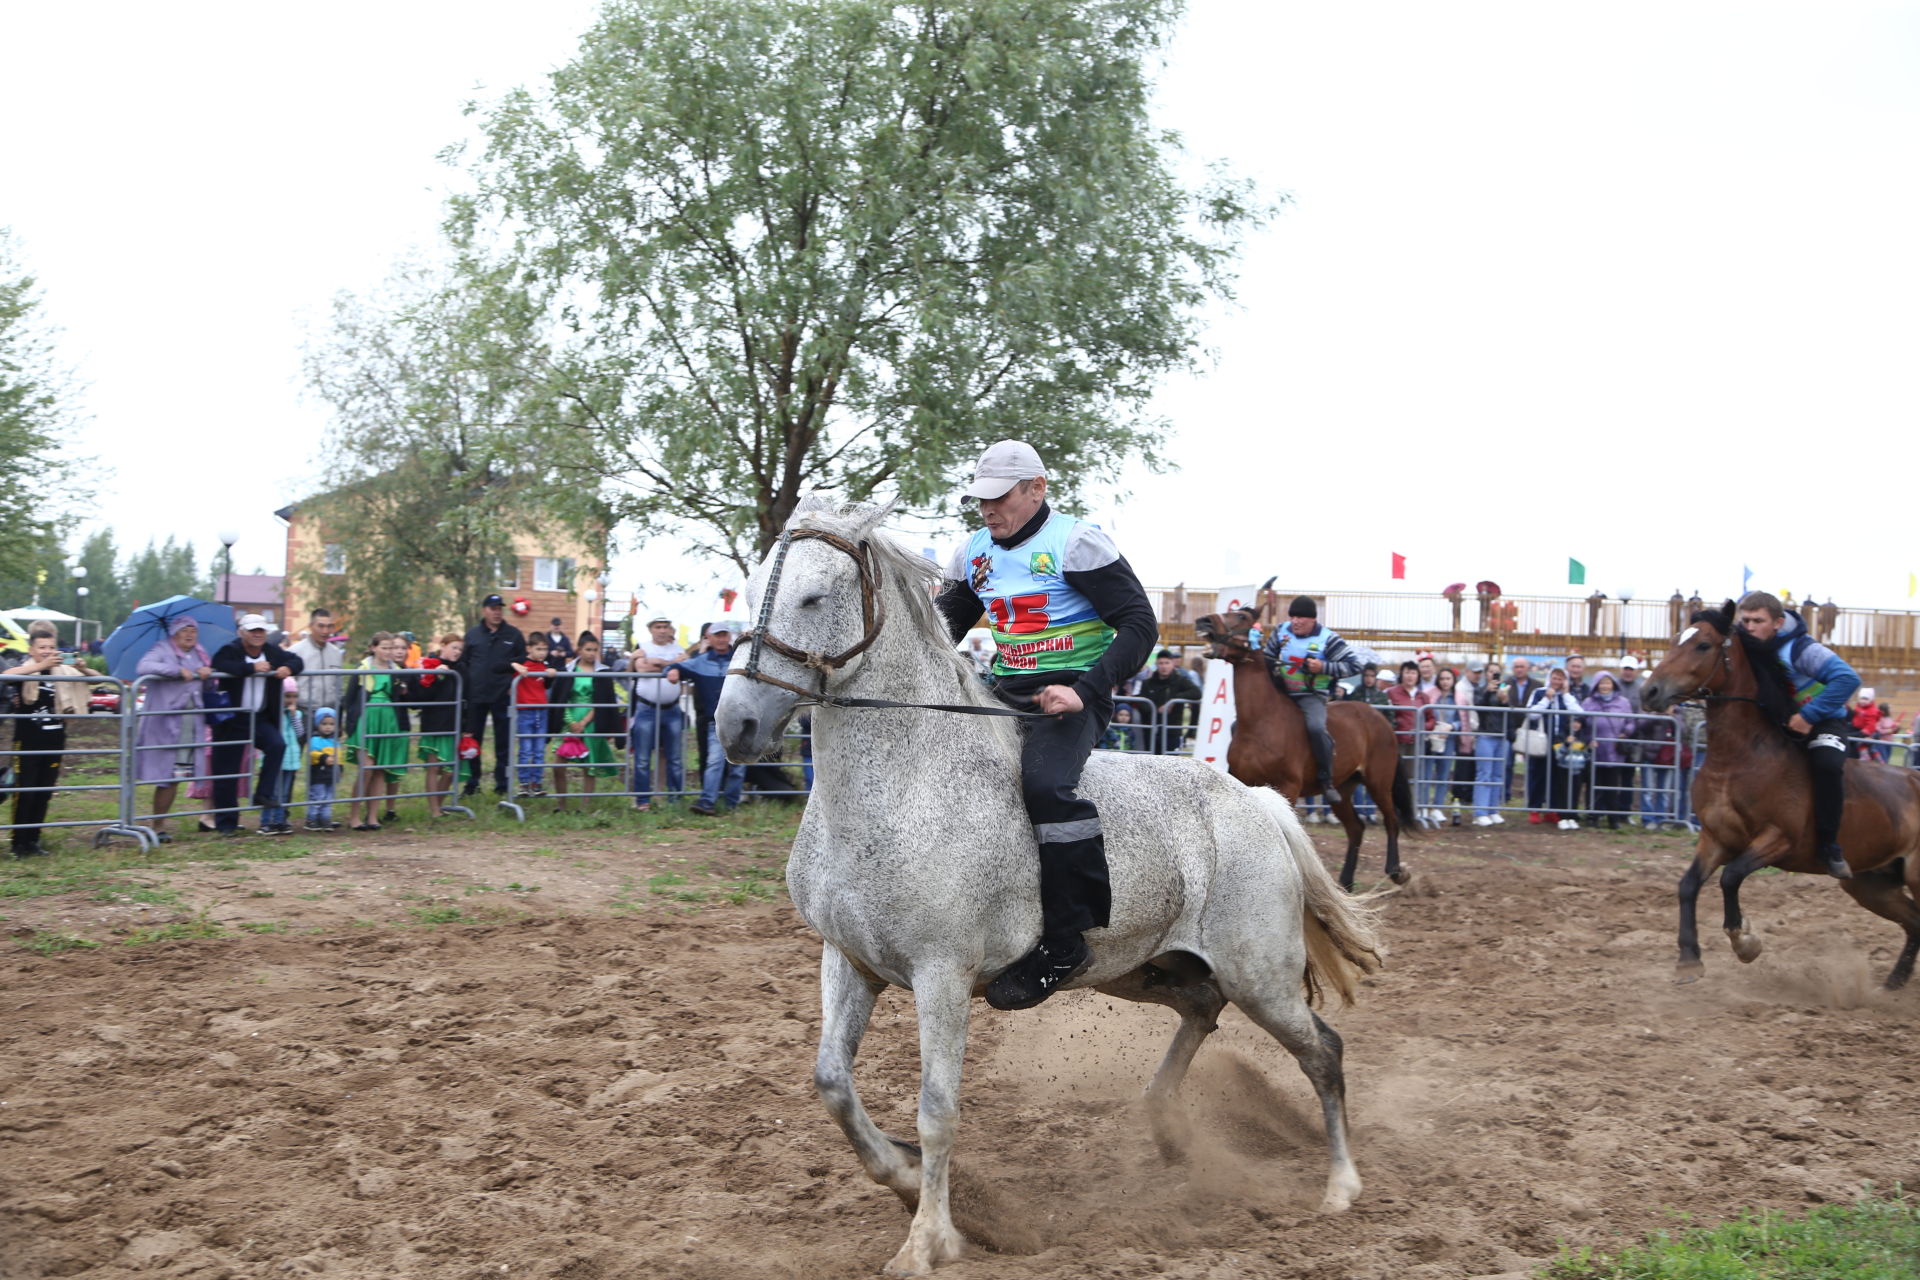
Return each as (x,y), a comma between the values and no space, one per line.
(106,598)
(440,452)
(847,243)
(162,570)
(38,427)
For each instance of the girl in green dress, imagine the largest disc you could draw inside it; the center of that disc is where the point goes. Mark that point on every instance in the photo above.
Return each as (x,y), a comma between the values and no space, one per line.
(588,717)
(381,758)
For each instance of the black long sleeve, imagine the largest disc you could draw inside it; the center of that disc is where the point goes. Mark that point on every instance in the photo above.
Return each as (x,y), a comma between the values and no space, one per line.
(1115,592)
(961,608)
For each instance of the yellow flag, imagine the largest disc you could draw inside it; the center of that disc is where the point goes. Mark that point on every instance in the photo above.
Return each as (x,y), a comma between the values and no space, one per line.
(1912,583)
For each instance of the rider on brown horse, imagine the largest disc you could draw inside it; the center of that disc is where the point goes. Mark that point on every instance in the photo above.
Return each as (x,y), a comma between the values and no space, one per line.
(1307,659)
(1822,683)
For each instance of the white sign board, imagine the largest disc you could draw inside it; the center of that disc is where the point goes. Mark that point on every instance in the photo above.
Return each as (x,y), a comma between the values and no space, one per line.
(1216,714)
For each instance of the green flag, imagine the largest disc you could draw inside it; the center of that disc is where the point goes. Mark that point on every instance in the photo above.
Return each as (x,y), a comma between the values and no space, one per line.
(1576,572)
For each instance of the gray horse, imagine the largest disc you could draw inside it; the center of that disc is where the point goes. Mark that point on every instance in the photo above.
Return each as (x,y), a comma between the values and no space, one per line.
(916,863)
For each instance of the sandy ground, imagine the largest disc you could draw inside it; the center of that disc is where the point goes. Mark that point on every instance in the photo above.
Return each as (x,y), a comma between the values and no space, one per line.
(608,1076)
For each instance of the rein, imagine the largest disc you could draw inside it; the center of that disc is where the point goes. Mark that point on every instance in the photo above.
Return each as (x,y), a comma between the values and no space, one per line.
(872,617)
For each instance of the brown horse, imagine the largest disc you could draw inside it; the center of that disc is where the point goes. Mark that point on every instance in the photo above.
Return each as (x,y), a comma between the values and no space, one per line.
(1754,795)
(1270,747)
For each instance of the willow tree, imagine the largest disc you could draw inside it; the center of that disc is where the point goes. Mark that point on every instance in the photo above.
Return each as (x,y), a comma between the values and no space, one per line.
(39,428)
(442,448)
(846,243)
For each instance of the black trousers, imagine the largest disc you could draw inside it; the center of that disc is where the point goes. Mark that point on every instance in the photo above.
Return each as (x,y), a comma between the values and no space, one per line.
(1075,894)
(473,722)
(230,747)
(1827,754)
(1314,707)
(33,778)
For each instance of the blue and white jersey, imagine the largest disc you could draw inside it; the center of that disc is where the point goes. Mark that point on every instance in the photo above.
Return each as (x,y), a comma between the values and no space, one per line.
(1039,621)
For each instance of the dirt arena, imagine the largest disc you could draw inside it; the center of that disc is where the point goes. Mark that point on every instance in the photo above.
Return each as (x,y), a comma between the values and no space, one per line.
(609,1077)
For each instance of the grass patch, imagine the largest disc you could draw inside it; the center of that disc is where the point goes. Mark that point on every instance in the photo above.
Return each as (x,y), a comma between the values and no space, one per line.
(436,915)
(1874,1239)
(264,926)
(47,944)
(664,882)
(133,891)
(177,931)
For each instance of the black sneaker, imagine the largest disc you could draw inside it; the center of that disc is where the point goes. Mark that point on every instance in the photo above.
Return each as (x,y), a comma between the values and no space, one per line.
(31,851)
(1038,974)
(315,826)
(1836,862)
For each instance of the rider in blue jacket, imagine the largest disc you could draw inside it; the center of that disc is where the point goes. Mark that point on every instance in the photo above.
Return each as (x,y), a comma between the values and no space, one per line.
(1822,683)
(1307,658)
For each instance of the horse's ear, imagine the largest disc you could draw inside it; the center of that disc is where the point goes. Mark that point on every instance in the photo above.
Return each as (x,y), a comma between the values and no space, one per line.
(1725,616)
(870,516)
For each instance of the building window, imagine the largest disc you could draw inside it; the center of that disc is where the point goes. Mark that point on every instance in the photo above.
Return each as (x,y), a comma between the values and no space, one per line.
(333,558)
(551,573)
(510,573)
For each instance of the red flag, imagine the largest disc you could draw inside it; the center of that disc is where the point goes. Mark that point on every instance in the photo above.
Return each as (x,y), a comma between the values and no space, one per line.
(1399,565)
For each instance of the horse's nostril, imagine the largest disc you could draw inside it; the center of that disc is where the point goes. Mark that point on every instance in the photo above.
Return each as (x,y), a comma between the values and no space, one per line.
(747,728)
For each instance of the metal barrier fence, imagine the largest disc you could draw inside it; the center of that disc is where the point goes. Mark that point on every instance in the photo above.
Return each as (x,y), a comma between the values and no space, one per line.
(1637,780)
(33,767)
(219,736)
(655,735)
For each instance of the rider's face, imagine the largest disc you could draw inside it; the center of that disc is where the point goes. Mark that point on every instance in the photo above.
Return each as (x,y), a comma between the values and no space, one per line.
(1303,626)
(1758,623)
(1006,514)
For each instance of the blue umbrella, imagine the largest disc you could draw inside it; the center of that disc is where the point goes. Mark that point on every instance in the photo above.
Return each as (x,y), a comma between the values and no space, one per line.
(148,624)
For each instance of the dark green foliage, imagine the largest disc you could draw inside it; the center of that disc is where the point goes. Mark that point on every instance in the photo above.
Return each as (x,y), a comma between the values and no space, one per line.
(846,243)
(1874,1239)
(38,428)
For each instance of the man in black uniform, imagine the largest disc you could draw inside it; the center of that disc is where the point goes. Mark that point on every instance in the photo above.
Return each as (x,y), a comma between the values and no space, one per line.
(1070,620)
(486,661)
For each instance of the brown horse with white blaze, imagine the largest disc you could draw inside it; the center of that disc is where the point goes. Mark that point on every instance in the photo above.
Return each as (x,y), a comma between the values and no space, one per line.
(1754,795)
(1270,747)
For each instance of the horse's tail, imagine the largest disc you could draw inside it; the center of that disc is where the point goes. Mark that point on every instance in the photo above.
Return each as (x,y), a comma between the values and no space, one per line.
(1343,944)
(1403,797)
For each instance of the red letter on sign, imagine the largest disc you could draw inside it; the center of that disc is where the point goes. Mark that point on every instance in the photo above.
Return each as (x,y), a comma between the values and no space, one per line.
(1213,730)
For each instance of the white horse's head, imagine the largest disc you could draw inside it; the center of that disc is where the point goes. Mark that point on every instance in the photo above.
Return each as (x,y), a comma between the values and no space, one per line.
(819,607)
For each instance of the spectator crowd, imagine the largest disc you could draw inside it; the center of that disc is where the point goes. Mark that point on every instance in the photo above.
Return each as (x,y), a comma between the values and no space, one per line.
(328,732)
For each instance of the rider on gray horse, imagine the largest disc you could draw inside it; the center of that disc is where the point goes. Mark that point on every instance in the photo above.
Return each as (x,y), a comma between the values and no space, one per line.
(1069,621)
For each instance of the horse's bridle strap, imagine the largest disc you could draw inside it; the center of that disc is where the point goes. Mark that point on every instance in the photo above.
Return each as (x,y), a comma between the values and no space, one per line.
(873,616)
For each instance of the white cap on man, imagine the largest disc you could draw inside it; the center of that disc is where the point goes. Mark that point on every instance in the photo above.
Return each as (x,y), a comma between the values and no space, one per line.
(252,622)
(1003,466)
(1629,663)
(724,624)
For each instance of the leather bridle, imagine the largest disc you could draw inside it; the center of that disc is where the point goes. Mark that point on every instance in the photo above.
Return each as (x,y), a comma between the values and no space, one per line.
(873,615)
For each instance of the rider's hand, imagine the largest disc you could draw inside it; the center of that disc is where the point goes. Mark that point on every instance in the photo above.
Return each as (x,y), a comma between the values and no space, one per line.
(1316,666)
(1059,699)
(1799,724)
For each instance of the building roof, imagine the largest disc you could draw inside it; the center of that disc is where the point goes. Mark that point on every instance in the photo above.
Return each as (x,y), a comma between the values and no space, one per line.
(250,588)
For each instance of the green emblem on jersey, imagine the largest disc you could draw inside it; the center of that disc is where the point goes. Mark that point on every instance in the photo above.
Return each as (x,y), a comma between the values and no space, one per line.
(1042,562)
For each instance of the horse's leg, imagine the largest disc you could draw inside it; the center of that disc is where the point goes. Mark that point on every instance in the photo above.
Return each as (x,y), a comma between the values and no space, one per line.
(1283,1013)
(1746,944)
(846,1005)
(1708,854)
(1381,783)
(940,998)
(1882,892)
(1356,829)
(1192,994)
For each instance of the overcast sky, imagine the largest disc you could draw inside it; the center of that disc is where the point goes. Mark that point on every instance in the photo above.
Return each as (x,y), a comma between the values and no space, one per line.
(1637,284)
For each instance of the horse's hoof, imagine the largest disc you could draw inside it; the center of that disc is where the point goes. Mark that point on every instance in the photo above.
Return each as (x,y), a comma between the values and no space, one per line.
(1746,945)
(1688,971)
(1400,875)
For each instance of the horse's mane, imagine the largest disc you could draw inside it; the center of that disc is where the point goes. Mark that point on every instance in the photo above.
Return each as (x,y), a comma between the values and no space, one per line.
(1773,689)
(918,577)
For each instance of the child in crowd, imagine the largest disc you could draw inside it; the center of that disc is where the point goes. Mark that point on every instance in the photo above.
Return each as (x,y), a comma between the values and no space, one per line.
(440,719)
(273,819)
(323,770)
(530,710)
(377,735)
(593,714)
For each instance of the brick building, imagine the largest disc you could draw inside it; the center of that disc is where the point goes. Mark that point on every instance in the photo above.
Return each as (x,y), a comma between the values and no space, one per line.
(554,575)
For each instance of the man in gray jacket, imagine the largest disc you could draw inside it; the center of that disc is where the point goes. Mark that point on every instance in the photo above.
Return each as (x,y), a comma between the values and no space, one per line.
(317,653)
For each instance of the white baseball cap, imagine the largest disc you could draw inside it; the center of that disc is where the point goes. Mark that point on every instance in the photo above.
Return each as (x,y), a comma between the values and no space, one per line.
(1003,466)
(725,624)
(1629,663)
(253,622)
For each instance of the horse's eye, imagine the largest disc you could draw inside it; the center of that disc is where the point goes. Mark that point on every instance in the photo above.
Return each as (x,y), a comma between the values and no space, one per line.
(1703,646)
(811,602)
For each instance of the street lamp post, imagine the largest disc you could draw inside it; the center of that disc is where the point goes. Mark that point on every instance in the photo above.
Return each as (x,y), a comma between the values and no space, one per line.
(227,538)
